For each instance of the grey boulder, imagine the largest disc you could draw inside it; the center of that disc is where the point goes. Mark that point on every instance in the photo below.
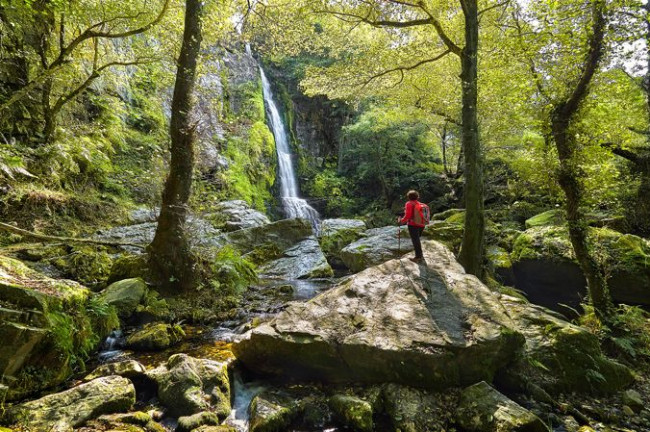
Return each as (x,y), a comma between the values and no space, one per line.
(422,325)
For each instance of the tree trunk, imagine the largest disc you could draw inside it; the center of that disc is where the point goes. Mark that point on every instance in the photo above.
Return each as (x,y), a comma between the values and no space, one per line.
(471,253)
(569,175)
(170,259)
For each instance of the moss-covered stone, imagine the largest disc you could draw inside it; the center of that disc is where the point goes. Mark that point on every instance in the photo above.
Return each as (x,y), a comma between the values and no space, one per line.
(188,385)
(128,267)
(155,337)
(77,405)
(625,259)
(559,356)
(413,410)
(50,327)
(483,409)
(554,217)
(450,233)
(500,265)
(190,423)
(335,234)
(125,295)
(353,412)
(272,412)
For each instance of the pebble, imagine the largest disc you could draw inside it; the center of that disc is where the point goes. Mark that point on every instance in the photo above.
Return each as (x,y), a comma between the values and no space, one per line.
(628,411)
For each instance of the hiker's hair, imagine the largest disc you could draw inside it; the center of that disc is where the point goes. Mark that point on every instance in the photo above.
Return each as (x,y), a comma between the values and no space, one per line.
(413,195)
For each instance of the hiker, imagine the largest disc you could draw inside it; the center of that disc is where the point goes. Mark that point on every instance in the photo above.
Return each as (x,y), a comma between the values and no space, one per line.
(416,215)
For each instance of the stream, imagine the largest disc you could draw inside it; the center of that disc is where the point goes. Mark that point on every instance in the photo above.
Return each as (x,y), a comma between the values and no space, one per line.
(260,303)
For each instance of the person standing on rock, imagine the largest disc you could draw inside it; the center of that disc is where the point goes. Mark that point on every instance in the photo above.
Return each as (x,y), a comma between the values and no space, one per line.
(416,216)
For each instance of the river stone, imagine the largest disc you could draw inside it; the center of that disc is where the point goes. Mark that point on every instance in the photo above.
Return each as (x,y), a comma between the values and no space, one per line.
(200,233)
(546,269)
(352,412)
(188,385)
(376,246)
(272,412)
(128,369)
(631,398)
(155,337)
(125,295)
(302,261)
(282,235)
(422,325)
(190,423)
(413,410)
(238,215)
(335,234)
(77,405)
(483,409)
(559,357)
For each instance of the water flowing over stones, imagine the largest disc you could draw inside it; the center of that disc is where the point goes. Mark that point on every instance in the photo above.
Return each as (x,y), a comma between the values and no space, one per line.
(294,206)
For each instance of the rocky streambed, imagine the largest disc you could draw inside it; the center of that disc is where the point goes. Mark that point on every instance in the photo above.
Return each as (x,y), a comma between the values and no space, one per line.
(389,346)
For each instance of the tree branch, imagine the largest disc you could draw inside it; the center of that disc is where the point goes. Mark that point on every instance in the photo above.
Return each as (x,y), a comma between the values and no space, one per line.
(65,52)
(402,69)
(620,151)
(47,238)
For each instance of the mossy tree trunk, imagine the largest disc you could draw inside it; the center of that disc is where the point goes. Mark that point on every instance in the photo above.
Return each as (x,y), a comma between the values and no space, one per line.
(471,254)
(562,118)
(170,258)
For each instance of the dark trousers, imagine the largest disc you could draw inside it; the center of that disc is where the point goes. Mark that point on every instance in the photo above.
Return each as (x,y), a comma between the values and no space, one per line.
(415,233)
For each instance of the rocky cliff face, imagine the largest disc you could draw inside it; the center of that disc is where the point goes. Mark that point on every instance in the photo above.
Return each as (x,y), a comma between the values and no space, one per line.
(315,122)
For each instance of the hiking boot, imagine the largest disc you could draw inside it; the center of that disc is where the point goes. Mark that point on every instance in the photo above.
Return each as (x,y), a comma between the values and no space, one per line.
(417,259)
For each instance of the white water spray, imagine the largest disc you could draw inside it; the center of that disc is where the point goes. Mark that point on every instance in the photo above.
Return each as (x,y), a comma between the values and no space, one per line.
(294,206)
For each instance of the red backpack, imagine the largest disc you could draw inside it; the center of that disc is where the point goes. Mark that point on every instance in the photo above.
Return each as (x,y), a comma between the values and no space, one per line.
(421,214)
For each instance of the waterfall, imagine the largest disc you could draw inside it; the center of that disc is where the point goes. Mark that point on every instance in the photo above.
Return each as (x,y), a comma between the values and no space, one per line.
(294,206)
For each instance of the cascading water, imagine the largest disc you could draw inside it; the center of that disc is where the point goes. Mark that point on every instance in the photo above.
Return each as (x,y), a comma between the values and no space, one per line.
(294,206)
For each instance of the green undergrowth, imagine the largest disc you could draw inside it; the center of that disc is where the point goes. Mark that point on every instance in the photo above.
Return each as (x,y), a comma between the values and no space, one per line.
(624,335)
(249,148)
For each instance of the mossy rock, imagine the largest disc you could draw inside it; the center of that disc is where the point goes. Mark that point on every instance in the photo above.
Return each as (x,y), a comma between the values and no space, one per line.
(76,405)
(188,386)
(556,217)
(483,409)
(190,423)
(412,409)
(447,214)
(128,267)
(125,295)
(155,337)
(499,265)
(50,327)
(272,412)
(335,234)
(352,412)
(624,257)
(559,357)
(448,233)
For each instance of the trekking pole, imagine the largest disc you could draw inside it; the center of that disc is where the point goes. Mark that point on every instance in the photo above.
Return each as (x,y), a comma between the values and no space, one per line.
(399,238)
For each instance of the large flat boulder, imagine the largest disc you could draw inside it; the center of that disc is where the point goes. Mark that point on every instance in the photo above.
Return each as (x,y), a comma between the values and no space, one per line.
(421,325)
(281,235)
(237,214)
(546,269)
(77,405)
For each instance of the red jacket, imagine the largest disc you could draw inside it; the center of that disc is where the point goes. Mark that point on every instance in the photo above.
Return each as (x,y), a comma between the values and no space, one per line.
(409,209)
